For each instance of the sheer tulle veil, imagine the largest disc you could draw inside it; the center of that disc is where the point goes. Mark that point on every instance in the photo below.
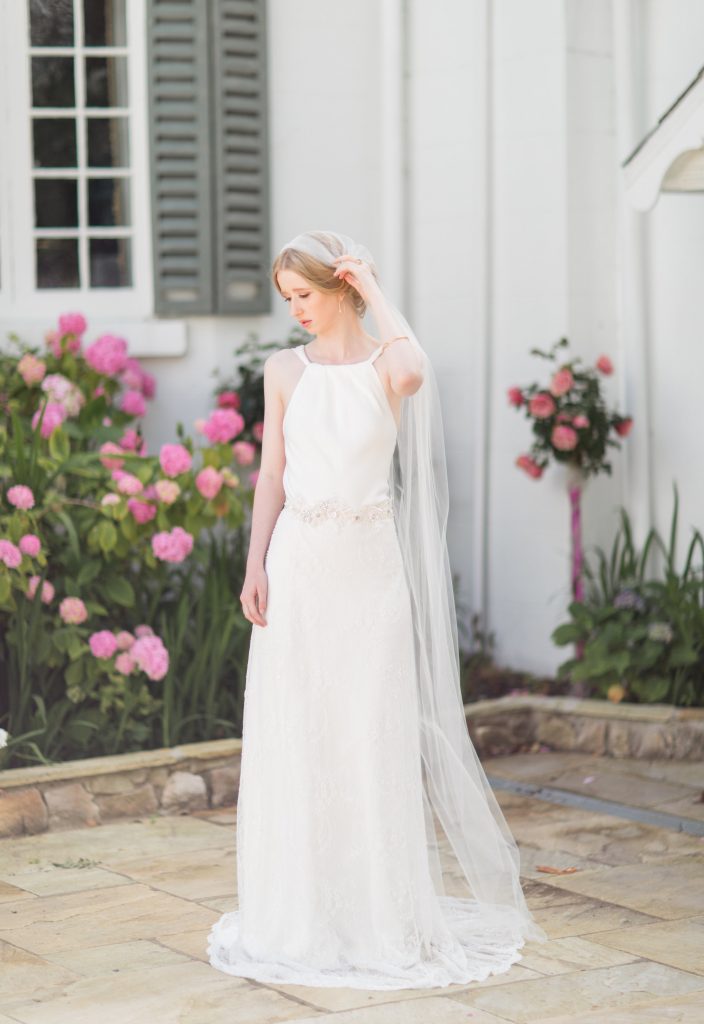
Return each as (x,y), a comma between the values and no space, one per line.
(455,785)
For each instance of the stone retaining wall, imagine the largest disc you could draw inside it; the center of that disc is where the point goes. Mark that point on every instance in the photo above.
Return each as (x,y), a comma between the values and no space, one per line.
(200,776)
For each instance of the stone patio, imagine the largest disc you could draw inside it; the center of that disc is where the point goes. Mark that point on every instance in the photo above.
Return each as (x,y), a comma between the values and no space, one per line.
(109,923)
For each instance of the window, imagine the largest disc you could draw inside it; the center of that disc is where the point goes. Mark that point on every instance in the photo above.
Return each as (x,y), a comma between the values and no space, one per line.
(136,175)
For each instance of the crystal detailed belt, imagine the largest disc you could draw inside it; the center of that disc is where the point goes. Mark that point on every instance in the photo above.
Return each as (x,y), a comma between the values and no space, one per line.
(333,508)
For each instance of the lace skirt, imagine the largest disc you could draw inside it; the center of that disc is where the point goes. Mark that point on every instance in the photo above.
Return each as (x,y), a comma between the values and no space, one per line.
(334,881)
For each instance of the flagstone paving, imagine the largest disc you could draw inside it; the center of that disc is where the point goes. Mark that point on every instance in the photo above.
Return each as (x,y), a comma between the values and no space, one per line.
(107,924)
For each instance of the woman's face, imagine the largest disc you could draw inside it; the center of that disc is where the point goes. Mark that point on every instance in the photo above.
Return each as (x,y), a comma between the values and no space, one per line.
(313,309)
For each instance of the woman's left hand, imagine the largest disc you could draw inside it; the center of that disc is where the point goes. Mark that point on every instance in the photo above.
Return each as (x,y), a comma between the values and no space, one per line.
(356,273)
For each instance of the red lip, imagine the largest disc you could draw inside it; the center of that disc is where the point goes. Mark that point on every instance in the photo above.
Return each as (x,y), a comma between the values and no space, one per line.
(304,322)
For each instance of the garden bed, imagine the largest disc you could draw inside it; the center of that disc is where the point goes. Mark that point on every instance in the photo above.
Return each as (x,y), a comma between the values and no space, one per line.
(201,776)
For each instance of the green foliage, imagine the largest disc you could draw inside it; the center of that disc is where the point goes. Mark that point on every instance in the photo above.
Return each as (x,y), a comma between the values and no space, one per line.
(643,637)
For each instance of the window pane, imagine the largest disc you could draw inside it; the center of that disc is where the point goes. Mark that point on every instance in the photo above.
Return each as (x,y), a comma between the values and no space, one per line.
(55,203)
(54,141)
(57,263)
(52,82)
(51,22)
(106,81)
(107,142)
(104,22)
(108,202)
(110,265)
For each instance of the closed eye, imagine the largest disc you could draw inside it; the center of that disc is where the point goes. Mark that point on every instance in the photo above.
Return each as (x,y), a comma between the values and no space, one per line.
(302,296)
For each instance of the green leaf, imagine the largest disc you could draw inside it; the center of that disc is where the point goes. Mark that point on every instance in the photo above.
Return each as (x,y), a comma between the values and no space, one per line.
(567,633)
(119,590)
(107,536)
(59,445)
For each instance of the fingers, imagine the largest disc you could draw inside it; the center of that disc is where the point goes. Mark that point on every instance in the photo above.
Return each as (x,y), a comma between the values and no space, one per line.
(253,608)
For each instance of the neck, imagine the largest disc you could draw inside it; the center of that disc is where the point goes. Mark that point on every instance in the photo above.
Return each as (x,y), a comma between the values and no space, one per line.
(344,344)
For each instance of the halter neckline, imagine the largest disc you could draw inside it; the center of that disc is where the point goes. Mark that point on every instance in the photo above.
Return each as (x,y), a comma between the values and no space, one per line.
(359,362)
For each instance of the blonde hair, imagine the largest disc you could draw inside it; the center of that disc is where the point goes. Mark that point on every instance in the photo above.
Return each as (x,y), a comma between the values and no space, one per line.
(320,275)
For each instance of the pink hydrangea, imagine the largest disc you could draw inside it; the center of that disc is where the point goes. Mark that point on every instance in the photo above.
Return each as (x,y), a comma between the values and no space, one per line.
(10,554)
(73,611)
(142,511)
(228,400)
(48,591)
(125,663)
(151,656)
(54,415)
(258,431)
(175,459)
(20,496)
(605,365)
(172,546)
(63,391)
(102,644)
(72,323)
(124,640)
(133,404)
(244,452)
(59,343)
(167,491)
(561,382)
(131,441)
(107,355)
(31,369)
(110,499)
(209,482)
(541,405)
(30,545)
(222,425)
(253,477)
(564,438)
(515,396)
(530,466)
(229,478)
(623,427)
(144,630)
(581,421)
(128,483)
(110,448)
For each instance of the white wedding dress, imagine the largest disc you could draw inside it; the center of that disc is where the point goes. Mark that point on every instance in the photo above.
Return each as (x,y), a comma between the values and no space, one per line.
(334,881)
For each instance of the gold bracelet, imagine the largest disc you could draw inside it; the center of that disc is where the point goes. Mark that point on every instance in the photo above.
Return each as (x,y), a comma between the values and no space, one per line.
(397,338)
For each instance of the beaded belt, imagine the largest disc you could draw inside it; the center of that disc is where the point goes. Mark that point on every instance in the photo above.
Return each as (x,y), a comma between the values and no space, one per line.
(333,508)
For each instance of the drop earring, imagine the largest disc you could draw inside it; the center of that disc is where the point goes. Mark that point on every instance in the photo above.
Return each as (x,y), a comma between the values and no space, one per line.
(339,305)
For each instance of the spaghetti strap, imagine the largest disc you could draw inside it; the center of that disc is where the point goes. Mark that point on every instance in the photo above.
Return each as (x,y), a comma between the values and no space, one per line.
(375,353)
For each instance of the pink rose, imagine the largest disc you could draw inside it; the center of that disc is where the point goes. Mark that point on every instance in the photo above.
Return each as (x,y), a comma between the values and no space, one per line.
(142,511)
(10,554)
(581,421)
(167,491)
(72,323)
(31,369)
(541,406)
(623,427)
(151,656)
(564,438)
(604,364)
(244,452)
(111,448)
(20,496)
(30,545)
(54,415)
(73,611)
(209,482)
(530,466)
(561,382)
(107,355)
(133,404)
(129,484)
(174,459)
(125,663)
(47,589)
(228,400)
(258,431)
(103,643)
(515,397)
(172,546)
(222,425)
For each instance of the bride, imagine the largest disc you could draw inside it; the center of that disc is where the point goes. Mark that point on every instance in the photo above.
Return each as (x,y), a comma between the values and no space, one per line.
(359,782)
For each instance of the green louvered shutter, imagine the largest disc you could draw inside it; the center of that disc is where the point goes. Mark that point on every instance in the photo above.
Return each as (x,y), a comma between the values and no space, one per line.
(241,156)
(178,43)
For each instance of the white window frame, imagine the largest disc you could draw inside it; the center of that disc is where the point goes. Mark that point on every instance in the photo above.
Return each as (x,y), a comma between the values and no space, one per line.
(19,298)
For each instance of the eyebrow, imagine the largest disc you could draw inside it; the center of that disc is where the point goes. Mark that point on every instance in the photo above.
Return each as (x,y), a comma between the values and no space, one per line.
(298,290)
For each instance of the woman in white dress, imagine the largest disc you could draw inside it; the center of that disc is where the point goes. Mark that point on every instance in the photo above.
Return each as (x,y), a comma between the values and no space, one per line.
(355,750)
